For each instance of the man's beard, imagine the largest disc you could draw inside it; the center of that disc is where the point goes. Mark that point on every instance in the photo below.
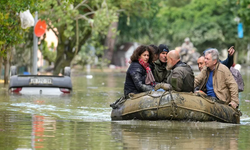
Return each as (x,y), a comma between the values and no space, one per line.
(169,66)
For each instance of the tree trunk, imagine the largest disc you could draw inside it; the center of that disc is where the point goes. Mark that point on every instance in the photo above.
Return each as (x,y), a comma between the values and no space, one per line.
(65,53)
(7,67)
(59,58)
(110,41)
(1,63)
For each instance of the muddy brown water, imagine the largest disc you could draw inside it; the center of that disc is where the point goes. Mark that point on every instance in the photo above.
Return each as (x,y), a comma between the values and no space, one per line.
(82,121)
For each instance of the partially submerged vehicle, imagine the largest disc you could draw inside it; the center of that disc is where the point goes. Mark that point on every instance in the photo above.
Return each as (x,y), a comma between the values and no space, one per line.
(171,105)
(40,84)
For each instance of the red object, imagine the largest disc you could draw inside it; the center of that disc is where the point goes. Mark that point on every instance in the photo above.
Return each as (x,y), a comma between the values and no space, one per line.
(40,28)
(64,90)
(16,90)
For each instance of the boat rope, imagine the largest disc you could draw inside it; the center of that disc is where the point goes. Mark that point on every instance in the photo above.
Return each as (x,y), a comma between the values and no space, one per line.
(133,96)
(158,103)
(173,107)
(118,102)
(205,98)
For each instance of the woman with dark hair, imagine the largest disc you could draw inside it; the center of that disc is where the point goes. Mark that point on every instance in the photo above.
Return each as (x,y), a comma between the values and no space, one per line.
(156,52)
(139,77)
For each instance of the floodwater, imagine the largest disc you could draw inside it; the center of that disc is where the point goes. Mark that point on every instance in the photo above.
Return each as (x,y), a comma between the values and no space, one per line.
(82,121)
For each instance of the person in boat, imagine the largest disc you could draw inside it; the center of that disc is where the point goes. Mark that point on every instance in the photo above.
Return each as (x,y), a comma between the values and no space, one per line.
(217,81)
(227,62)
(182,76)
(201,62)
(160,72)
(156,52)
(139,77)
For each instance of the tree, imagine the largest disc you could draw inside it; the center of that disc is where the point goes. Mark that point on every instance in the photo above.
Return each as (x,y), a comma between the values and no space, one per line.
(207,23)
(127,9)
(74,22)
(11,32)
(242,9)
(140,25)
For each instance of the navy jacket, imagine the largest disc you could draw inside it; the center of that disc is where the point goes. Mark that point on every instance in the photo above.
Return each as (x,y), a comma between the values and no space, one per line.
(228,62)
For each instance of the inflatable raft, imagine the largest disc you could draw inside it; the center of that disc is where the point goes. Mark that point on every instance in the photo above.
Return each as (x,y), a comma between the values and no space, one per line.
(171,105)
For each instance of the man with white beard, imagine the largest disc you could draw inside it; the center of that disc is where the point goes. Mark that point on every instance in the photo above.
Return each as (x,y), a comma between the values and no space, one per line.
(182,77)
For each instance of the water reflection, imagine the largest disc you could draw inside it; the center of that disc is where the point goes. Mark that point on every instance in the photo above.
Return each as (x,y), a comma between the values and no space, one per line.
(42,127)
(176,135)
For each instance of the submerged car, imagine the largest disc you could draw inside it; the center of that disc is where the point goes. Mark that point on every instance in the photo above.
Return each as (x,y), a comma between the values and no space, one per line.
(40,84)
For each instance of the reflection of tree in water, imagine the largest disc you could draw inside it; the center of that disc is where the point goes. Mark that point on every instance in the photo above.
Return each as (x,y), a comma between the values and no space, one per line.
(175,135)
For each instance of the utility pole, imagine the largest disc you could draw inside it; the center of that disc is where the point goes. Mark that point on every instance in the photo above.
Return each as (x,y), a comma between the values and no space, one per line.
(35,48)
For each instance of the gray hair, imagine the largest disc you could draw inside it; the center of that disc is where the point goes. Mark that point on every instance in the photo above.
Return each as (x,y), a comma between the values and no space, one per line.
(214,53)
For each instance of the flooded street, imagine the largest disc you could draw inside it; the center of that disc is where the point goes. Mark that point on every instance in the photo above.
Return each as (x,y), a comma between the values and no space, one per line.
(82,120)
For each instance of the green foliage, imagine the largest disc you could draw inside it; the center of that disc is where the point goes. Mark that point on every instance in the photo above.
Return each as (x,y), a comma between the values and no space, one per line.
(86,56)
(175,3)
(140,28)
(244,10)
(23,52)
(75,23)
(207,23)
(59,14)
(49,53)
(11,32)
(142,8)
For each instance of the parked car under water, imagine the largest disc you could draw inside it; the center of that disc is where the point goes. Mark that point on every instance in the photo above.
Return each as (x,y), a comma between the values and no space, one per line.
(40,84)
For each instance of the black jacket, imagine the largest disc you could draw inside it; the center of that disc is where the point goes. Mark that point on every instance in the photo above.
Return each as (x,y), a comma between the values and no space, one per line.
(135,79)
(228,62)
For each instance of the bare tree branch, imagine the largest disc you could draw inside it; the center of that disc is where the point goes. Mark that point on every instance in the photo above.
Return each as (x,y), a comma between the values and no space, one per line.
(59,3)
(120,10)
(89,13)
(53,30)
(104,1)
(82,17)
(80,4)
(85,16)
(88,7)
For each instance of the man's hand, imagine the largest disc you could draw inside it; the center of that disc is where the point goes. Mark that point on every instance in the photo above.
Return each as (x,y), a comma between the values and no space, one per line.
(164,86)
(200,92)
(233,104)
(231,51)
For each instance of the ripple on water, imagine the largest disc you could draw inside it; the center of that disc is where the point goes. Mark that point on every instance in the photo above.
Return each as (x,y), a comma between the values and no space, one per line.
(69,113)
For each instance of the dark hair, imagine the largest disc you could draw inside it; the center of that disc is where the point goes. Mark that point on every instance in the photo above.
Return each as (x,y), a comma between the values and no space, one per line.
(141,49)
(163,47)
(156,49)
(201,56)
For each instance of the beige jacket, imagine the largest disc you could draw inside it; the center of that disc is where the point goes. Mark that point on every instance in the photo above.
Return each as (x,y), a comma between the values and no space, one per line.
(225,87)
